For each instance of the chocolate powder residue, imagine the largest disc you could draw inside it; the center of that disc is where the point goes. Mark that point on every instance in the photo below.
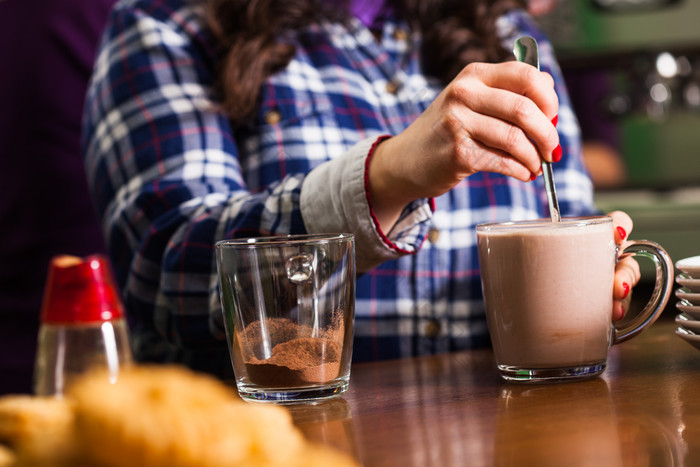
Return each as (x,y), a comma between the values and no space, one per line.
(297,358)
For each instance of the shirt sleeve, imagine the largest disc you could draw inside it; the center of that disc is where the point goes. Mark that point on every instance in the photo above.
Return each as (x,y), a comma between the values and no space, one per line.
(165,172)
(163,169)
(335,197)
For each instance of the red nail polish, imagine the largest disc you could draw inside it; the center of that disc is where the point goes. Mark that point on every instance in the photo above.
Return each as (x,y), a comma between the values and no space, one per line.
(532,176)
(622,312)
(621,232)
(626,288)
(555,120)
(556,154)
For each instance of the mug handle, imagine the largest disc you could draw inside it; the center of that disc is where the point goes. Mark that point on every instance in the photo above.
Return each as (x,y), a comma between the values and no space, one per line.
(662,288)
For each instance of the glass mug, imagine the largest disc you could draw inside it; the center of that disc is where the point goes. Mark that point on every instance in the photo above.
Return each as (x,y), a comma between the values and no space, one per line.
(548,291)
(289,309)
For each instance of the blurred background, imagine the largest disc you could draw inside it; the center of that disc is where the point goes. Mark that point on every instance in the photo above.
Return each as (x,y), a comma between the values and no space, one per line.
(633,69)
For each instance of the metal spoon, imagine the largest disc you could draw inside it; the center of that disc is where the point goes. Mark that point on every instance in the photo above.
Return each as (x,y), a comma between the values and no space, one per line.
(525,50)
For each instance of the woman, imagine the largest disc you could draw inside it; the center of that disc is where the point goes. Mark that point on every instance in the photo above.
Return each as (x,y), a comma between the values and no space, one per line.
(406,125)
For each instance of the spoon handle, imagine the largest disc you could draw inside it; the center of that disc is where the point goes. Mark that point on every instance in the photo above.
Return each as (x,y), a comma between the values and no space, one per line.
(551,191)
(526,51)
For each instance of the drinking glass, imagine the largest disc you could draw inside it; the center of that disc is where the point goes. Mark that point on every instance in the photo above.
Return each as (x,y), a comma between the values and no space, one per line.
(289,308)
(548,291)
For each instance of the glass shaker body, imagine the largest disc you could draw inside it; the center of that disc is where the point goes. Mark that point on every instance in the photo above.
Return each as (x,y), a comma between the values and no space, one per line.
(82,325)
(66,351)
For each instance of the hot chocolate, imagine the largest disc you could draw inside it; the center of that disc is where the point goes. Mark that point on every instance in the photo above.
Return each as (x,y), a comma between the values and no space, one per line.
(548,291)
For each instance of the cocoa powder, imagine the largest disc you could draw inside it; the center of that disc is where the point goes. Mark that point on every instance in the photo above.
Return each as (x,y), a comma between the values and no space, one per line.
(297,358)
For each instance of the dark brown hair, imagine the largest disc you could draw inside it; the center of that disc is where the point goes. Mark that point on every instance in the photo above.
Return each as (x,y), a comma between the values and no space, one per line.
(254,36)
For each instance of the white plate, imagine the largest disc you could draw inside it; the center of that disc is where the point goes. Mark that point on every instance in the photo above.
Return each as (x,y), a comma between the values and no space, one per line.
(690,266)
(688,323)
(688,309)
(689,283)
(688,336)
(693,298)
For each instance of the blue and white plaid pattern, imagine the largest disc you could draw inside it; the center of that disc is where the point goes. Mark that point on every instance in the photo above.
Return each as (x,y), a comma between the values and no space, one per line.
(171,176)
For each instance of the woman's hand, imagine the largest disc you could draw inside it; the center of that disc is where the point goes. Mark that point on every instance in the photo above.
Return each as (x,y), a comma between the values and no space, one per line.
(627,270)
(491,117)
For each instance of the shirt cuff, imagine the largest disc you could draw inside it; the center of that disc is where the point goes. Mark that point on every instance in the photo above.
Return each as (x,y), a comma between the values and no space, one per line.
(335,198)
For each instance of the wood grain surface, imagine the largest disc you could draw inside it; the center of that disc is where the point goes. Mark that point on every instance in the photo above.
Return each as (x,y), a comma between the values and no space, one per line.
(454,410)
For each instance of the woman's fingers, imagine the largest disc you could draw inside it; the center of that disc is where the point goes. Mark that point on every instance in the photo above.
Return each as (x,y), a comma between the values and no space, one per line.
(626,276)
(508,107)
(505,146)
(492,117)
(479,150)
(627,272)
(518,78)
(622,223)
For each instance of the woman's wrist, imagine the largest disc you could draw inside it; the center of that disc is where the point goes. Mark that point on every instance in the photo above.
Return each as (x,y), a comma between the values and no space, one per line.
(387,194)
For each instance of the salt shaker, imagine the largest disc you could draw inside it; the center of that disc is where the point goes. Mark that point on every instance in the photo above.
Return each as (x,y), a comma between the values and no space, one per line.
(82,324)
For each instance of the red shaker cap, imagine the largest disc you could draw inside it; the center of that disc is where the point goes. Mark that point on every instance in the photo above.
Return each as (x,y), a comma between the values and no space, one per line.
(80,290)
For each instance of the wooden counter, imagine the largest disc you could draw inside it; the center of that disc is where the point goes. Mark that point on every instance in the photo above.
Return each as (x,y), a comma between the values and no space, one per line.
(453,410)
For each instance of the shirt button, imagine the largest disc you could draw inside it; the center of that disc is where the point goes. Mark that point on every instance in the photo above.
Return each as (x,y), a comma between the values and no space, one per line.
(432,329)
(272,117)
(400,34)
(433,235)
(392,87)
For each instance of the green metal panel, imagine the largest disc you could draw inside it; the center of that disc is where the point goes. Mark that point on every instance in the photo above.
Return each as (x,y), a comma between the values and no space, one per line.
(659,153)
(578,27)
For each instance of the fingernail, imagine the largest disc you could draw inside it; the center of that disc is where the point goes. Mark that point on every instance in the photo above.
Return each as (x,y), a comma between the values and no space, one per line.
(556,154)
(533,176)
(622,312)
(555,120)
(626,288)
(621,232)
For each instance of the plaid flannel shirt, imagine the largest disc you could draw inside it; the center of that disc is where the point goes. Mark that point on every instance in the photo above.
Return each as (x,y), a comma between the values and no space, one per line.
(171,176)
